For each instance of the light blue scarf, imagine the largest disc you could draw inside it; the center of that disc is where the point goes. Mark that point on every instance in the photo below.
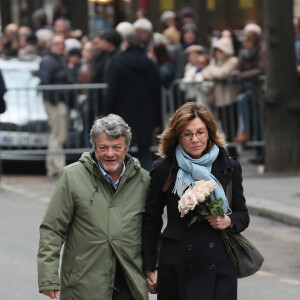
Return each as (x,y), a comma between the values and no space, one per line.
(192,170)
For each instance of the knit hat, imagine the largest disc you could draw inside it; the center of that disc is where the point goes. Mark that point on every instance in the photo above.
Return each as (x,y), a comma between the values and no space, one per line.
(167,15)
(143,24)
(125,28)
(71,44)
(190,26)
(196,48)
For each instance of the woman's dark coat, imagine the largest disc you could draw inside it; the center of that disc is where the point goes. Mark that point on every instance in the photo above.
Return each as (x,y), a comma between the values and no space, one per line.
(193,262)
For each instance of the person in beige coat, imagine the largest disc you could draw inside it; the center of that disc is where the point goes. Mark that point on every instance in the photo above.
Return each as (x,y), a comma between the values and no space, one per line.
(223,62)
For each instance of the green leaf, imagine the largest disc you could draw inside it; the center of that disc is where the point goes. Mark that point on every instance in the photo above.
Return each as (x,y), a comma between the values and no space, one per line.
(193,220)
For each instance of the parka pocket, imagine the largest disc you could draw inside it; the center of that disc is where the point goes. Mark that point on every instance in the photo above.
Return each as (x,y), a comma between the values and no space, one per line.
(75,272)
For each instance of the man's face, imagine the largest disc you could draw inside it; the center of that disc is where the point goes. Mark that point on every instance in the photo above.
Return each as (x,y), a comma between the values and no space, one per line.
(97,45)
(58,45)
(144,35)
(61,27)
(110,153)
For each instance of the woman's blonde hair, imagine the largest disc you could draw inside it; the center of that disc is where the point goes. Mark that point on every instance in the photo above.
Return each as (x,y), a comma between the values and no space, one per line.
(169,139)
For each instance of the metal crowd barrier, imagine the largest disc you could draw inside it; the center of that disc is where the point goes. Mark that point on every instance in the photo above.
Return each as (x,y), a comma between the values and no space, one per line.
(228,118)
(24,127)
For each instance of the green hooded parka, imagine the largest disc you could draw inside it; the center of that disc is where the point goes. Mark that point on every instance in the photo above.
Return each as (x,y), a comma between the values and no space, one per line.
(96,226)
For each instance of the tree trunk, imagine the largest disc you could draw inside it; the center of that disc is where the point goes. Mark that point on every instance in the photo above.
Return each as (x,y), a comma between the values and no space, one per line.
(119,12)
(201,20)
(282,119)
(79,15)
(5,13)
(133,9)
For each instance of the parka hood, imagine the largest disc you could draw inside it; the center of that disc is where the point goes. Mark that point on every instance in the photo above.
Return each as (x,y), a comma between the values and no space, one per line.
(88,159)
(225,45)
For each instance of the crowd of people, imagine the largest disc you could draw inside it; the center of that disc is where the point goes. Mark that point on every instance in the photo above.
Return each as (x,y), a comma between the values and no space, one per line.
(223,76)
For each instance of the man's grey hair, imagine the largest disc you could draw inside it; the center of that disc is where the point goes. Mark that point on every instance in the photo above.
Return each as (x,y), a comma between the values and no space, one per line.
(113,126)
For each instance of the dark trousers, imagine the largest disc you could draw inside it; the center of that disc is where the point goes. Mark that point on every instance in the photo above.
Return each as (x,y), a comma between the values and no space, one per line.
(121,291)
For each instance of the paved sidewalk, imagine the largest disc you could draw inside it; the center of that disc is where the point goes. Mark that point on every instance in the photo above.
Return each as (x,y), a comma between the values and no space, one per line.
(269,195)
(274,196)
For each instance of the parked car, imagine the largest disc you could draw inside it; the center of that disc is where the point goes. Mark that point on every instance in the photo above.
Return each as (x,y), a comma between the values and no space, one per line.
(24,124)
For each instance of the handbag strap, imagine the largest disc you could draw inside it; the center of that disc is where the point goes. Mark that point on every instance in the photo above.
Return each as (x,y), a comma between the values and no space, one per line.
(169,180)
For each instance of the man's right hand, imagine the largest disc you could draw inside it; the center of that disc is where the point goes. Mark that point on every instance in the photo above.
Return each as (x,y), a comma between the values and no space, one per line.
(51,294)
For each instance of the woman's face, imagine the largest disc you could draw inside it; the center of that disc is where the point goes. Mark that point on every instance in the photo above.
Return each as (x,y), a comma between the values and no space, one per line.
(218,54)
(189,37)
(194,138)
(248,44)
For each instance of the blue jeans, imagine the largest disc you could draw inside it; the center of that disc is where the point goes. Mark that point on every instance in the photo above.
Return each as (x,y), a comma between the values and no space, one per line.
(244,103)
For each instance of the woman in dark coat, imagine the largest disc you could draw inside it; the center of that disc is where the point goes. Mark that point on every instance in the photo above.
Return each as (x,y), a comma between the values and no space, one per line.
(193,262)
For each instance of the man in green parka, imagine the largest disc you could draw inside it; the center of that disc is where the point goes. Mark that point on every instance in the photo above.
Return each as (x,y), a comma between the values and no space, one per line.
(96,212)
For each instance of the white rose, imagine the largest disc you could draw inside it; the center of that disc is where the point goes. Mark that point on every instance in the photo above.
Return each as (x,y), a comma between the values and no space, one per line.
(187,202)
(211,185)
(201,187)
(198,194)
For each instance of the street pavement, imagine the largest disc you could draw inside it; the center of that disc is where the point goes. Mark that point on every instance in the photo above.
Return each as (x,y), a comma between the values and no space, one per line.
(273,196)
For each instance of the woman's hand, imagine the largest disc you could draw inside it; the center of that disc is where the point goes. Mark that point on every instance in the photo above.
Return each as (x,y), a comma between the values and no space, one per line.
(220,222)
(151,281)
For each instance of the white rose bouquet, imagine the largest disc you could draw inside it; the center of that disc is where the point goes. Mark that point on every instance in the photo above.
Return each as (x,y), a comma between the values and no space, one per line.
(198,201)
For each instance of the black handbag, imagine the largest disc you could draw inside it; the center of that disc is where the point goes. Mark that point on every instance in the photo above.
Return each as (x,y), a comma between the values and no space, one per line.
(251,260)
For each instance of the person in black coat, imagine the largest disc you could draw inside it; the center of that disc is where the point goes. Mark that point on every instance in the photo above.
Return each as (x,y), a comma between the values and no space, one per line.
(134,94)
(110,43)
(193,262)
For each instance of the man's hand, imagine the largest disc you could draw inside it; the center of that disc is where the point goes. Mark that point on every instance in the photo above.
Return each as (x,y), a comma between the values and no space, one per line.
(219,222)
(151,281)
(51,294)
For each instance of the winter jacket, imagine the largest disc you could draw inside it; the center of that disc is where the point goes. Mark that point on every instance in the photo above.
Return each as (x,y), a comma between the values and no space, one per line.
(53,70)
(134,93)
(194,86)
(250,67)
(224,93)
(97,227)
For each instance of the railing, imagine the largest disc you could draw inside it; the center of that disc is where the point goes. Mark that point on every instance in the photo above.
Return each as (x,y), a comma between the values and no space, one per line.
(229,118)
(24,127)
